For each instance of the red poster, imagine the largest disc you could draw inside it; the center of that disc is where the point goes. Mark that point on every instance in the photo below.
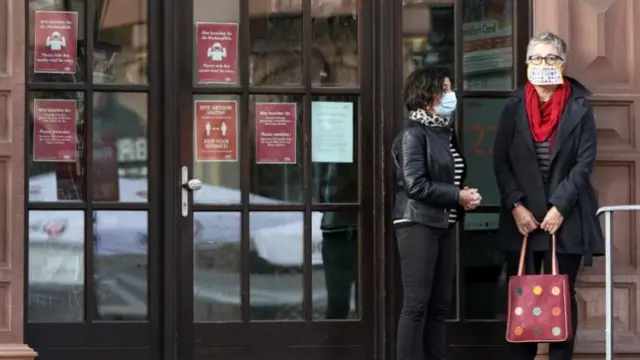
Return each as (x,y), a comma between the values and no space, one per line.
(55,43)
(276,133)
(216,130)
(217,47)
(54,130)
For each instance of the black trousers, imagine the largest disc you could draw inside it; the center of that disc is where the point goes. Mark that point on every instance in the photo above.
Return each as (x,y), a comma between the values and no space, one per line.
(339,258)
(428,263)
(569,265)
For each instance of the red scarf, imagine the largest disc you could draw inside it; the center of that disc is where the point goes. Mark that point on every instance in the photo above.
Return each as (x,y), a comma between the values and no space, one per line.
(544,117)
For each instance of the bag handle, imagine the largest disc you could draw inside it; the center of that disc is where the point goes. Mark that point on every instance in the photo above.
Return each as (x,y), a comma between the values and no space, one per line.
(523,252)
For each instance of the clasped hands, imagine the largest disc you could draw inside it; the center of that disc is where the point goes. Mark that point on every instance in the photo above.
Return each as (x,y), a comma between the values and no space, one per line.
(469,198)
(526,222)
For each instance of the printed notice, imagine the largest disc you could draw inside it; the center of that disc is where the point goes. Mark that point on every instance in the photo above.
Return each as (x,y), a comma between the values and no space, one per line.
(216,130)
(276,133)
(55,42)
(331,132)
(54,130)
(217,53)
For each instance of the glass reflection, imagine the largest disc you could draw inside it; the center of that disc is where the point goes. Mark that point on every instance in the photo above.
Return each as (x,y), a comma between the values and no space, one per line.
(276,265)
(120,42)
(487,35)
(220,176)
(54,174)
(334,149)
(216,266)
(120,147)
(337,254)
(484,268)
(335,43)
(121,265)
(276,173)
(276,45)
(428,35)
(56,52)
(56,266)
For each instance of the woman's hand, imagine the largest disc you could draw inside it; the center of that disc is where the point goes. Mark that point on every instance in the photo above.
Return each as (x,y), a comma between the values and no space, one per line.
(552,221)
(469,198)
(525,221)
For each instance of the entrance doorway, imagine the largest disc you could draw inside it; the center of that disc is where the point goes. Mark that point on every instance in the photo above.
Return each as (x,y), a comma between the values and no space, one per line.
(220,198)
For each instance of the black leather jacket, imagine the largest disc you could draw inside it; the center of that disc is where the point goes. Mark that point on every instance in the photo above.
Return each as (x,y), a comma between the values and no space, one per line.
(425,192)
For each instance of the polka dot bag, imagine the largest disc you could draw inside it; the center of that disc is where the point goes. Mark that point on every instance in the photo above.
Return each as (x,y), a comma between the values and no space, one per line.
(539,305)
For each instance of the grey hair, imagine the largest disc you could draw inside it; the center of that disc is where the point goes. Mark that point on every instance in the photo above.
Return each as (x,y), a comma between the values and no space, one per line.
(548,38)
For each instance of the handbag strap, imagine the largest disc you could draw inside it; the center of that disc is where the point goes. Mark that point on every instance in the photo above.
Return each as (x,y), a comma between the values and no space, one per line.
(554,257)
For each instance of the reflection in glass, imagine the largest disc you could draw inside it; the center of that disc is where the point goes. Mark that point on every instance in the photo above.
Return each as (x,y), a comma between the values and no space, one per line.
(216,16)
(220,177)
(56,266)
(276,45)
(336,252)
(276,265)
(335,43)
(334,149)
(51,176)
(276,173)
(483,264)
(120,147)
(120,42)
(216,266)
(487,35)
(63,42)
(428,35)
(121,243)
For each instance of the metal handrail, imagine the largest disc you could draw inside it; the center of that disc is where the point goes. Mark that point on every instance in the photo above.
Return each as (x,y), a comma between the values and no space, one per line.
(608,269)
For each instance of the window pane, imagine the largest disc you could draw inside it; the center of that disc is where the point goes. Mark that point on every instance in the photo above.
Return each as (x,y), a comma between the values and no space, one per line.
(481,117)
(276,44)
(482,262)
(334,149)
(427,33)
(56,144)
(335,60)
(120,147)
(57,50)
(120,42)
(216,266)
(216,43)
(335,262)
(217,132)
(56,266)
(121,275)
(276,265)
(487,33)
(277,165)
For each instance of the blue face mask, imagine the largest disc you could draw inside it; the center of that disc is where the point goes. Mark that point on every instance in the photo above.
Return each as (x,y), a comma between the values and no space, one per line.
(447,104)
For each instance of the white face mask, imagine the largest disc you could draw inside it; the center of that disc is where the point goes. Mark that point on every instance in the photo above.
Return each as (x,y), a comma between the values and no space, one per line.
(544,74)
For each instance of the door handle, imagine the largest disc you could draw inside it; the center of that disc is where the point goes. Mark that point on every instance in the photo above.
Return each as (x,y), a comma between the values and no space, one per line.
(188,185)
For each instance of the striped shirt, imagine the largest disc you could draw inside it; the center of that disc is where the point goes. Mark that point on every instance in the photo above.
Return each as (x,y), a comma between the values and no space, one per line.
(458,172)
(544,158)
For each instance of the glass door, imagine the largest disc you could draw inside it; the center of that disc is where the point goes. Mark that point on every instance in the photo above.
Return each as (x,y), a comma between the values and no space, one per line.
(274,121)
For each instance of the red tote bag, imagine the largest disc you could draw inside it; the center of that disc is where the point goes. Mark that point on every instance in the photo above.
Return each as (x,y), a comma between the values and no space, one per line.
(539,305)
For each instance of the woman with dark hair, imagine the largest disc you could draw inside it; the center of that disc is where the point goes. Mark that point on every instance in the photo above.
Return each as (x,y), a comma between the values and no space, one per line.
(430,198)
(544,154)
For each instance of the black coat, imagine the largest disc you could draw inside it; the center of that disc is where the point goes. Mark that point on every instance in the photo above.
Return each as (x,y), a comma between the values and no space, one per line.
(568,185)
(425,190)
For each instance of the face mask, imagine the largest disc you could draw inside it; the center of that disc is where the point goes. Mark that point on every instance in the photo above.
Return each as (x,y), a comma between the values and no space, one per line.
(447,104)
(544,75)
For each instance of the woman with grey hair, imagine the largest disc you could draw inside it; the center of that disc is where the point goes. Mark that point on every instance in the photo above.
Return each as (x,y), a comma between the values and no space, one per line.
(544,154)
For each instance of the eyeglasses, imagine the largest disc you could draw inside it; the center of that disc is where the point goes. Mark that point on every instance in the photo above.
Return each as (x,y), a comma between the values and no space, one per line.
(549,59)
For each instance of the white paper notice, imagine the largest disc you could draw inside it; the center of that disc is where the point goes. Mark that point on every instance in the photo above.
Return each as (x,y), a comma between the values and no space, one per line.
(331,132)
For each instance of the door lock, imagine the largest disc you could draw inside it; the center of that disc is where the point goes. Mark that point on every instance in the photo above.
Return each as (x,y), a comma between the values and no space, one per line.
(188,185)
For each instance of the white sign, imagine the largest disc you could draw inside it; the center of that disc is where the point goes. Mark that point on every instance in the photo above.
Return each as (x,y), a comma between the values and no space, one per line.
(331,132)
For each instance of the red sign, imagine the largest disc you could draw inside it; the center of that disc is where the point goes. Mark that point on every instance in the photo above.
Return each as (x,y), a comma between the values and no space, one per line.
(216,128)
(217,47)
(55,43)
(276,133)
(54,130)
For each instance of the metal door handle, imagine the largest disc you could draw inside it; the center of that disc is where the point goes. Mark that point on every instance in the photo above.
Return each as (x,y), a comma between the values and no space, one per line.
(187,186)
